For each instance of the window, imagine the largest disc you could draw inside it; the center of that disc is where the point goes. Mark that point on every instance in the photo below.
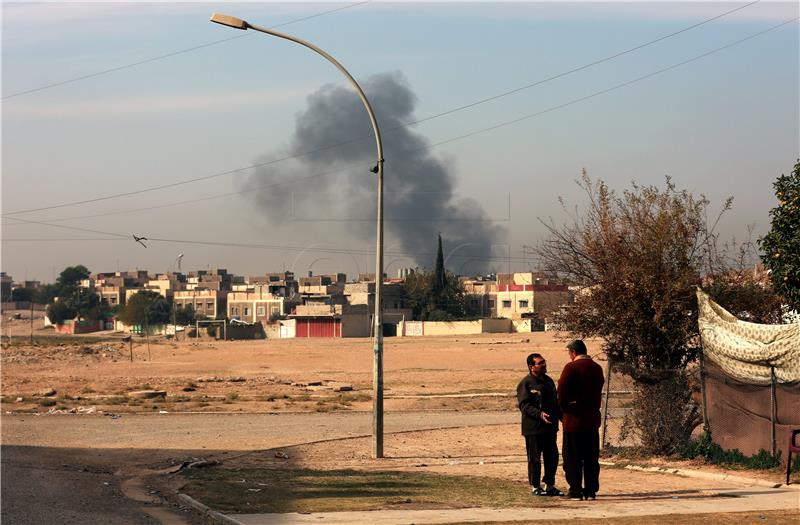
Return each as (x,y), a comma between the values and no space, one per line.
(209,306)
(246,311)
(490,303)
(234,310)
(506,304)
(261,311)
(113,300)
(523,303)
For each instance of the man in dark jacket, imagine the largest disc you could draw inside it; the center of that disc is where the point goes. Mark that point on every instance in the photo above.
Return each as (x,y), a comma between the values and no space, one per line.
(536,396)
(579,391)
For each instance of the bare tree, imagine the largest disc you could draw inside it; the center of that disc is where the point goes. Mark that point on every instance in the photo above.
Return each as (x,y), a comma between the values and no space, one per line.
(637,258)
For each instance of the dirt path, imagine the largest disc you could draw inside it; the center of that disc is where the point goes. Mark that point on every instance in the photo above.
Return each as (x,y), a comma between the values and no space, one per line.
(738,500)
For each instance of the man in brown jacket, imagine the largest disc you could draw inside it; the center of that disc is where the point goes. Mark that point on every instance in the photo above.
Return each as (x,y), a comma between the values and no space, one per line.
(579,393)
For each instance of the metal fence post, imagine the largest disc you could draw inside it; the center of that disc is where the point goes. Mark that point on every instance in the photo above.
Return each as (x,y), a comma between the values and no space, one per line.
(774,408)
(703,391)
(605,404)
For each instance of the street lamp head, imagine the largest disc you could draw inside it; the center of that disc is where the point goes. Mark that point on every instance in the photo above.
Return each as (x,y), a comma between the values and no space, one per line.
(230,21)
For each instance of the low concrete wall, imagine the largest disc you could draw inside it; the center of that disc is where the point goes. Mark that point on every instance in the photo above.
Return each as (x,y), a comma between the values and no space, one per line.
(522,325)
(479,326)
(497,326)
(80,327)
(246,331)
(355,325)
(288,328)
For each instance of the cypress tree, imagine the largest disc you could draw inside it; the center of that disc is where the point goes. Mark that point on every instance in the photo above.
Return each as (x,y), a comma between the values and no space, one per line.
(439,275)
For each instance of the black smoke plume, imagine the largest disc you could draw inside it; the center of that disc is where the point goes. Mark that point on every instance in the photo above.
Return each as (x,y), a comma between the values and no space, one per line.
(419,188)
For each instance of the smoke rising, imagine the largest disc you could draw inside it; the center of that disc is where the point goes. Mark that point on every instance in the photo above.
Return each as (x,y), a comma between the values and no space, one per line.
(419,188)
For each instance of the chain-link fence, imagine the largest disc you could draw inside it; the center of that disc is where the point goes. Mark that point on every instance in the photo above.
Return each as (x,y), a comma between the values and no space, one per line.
(653,414)
(741,416)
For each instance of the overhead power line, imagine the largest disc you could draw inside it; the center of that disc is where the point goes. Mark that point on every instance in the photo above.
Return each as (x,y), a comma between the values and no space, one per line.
(354,140)
(115,236)
(459,137)
(171,54)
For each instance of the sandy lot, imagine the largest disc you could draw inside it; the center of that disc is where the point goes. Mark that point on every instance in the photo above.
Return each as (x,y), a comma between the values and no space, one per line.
(270,375)
(68,406)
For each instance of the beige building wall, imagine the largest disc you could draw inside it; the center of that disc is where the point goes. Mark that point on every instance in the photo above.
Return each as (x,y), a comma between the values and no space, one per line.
(209,303)
(513,304)
(254,307)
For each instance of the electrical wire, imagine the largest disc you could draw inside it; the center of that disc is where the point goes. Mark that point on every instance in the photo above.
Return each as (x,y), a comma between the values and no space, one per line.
(172,54)
(475,132)
(358,139)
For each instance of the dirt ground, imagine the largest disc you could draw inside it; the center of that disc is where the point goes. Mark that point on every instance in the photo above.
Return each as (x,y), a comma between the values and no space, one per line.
(86,378)
(274,375)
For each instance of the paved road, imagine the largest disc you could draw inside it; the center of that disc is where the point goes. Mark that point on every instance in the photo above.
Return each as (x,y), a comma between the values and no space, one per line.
(221,431)
(38,488)
(69,468)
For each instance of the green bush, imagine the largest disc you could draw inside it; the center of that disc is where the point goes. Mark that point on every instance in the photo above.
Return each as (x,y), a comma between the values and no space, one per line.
(705,448)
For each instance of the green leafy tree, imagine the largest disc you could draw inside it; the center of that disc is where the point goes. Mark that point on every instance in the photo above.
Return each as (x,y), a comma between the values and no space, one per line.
(146,308)
(781,246)
(185,316)
(46,294)
(72,301)
(60,311)
(69,279)
(21,294)
(445,305)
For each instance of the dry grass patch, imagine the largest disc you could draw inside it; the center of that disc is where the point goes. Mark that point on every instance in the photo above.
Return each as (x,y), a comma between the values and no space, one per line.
(305,490)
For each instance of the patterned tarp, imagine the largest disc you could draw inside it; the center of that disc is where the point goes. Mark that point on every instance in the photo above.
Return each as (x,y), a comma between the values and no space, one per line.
(746,350)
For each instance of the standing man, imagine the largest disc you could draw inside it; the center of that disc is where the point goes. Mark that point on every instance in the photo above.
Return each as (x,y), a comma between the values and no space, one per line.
(579,391)
(536,396)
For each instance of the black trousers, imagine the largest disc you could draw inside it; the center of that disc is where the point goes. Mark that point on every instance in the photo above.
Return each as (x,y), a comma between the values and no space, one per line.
(582,461)
(542,446)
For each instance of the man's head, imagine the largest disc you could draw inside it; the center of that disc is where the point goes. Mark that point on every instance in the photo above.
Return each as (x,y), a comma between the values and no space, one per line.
(576,348)
(537,365)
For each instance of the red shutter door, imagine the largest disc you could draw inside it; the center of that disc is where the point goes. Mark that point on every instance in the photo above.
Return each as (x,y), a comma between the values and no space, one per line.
(322,328)
(301,328)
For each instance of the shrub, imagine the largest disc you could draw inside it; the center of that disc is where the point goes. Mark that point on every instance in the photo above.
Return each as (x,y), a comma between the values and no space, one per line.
(663,414)
(704,447)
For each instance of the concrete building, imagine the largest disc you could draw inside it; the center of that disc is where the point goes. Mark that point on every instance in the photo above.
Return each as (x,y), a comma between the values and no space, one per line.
(481,297)
(257,305)
(527,295)
(205,302)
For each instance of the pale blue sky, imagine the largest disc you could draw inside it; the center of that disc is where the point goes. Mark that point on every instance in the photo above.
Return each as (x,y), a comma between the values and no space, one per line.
(723,125)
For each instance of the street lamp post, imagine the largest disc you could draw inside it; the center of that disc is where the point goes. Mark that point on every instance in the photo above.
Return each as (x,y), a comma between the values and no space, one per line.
(377,371)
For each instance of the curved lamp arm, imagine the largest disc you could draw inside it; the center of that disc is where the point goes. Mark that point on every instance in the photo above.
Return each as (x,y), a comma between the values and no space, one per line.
(377,418)
(237,23)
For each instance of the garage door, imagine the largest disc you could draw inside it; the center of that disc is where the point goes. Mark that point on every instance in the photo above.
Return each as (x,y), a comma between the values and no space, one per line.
(319,328)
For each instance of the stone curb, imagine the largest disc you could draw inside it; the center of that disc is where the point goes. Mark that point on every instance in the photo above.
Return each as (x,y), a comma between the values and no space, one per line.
(715,476)
(213,515)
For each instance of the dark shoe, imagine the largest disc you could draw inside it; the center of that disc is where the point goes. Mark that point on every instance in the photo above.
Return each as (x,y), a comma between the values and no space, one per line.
(575,496)
(589,495)
(552,491)
(538,491)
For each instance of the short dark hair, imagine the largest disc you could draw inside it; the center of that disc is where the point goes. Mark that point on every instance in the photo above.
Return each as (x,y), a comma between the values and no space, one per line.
(578,347)
(532,357)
